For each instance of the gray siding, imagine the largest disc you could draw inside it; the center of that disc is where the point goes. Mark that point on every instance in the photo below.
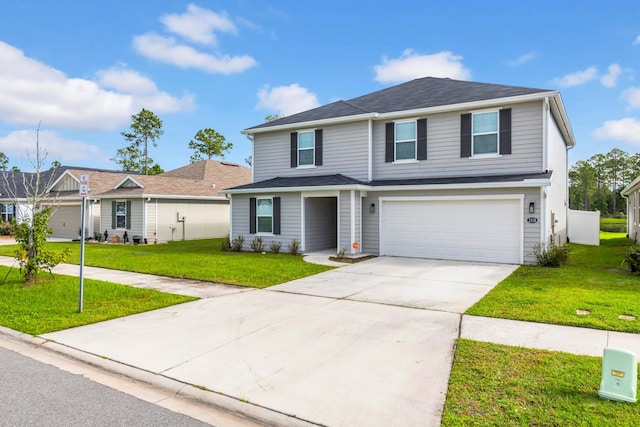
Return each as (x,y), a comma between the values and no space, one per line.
(345,151)
(290,214)
(136,219)
(370,228)
(443,148)
(344,211)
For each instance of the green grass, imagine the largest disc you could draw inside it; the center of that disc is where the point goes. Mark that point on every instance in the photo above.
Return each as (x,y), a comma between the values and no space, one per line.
(494,385)
(52,304)
(613,225)
(192,259)
(592,280)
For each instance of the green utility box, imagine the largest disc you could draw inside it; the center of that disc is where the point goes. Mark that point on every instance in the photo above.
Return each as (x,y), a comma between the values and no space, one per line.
(619,375)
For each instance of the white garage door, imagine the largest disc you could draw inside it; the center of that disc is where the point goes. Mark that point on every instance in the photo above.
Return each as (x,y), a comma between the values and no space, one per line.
(65,221)
(463,229)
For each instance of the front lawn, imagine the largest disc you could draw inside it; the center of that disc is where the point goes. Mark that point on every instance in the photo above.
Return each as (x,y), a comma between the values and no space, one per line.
(593,280)
(52,304)
(495,385)
(191,259)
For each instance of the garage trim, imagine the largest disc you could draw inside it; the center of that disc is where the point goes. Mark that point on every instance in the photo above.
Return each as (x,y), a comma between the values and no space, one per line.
(519,197)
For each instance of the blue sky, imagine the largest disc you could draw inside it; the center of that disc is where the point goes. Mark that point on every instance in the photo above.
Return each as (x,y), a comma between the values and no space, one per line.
(82,68)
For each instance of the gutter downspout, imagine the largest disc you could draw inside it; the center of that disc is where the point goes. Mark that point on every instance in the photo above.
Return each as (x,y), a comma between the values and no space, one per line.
(253,157)
(370,157)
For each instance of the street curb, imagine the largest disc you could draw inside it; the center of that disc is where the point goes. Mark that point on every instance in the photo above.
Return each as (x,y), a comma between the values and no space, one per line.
(244,410)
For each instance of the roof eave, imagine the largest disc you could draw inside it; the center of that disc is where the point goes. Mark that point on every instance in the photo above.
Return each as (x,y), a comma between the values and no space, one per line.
(299,125)
(361,187)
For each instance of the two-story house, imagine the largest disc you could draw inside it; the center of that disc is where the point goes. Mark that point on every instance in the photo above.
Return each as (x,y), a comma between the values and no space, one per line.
(433,168)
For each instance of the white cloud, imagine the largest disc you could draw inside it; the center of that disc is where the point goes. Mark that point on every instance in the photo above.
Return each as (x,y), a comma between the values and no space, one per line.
(33,92)
(632,96)
(522,59)
(576,79)
(165,49)
(411,65)
(625,130)
(21,143)
(637,40)
(287,100)
(611,78)
(198,24)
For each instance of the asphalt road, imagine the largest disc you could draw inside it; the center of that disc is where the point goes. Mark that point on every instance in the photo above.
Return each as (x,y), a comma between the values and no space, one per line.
(35,394)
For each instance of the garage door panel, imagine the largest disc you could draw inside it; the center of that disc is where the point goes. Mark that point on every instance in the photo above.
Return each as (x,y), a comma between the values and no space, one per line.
(476,230)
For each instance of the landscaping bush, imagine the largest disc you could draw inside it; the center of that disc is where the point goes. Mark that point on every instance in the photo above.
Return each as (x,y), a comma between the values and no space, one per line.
(294,247)
(257,244)
(5,228)
(275,246)
(225,244)
(551,256)
(632,258)
(237,243)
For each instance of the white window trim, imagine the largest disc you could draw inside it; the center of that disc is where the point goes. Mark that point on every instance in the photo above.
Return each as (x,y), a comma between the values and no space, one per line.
(313,161)
(264,233)
(125,215)
(497,133)
(396,141)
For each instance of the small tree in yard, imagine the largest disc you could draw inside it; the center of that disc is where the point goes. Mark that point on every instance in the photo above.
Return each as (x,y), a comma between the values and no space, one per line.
(32,229)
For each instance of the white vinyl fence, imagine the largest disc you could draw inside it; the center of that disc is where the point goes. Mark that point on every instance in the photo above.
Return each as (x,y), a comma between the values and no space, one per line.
(584,227)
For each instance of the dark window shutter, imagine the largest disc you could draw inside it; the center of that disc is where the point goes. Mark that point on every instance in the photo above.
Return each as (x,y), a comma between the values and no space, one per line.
(128,218)
(113,215)
(252,215)
(465,135)
(389,141)
(294,149)
(422,139)
(318,137)
(276,215)
(505,131)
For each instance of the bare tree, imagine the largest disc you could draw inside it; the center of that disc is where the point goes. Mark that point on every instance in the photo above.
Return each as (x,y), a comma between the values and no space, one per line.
(29,192)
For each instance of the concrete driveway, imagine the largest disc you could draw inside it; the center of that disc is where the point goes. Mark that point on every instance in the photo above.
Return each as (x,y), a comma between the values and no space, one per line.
(366,344)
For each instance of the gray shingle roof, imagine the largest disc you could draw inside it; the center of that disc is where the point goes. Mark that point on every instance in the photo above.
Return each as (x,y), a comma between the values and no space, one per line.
(341,180)
(301,181)
(421,93)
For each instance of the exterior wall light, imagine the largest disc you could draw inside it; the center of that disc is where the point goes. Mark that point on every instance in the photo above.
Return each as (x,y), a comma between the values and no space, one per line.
(532,207)
(372,208)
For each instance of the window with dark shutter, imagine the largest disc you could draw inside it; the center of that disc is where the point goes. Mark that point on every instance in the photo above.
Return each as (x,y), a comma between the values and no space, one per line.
(294,149)
(276,215)
(505,131)
(252,215)
(318,147)
(128,216)
(389,142)
(422,139)
(113,215)
(465,135)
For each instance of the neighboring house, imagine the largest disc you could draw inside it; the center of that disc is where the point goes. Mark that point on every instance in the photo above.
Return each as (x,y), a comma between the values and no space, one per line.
(432,168)
(184,203)
(632,194)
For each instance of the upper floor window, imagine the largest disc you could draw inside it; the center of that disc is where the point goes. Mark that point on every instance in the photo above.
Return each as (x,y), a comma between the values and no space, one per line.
(405,140)
(485,133)
(121,214)
(306,148)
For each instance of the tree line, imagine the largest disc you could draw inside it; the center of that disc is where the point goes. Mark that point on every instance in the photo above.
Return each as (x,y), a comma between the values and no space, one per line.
(595,184)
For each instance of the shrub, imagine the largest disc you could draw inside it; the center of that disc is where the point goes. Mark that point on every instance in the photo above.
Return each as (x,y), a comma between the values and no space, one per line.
(5,228)
(225,245)
(257,244)
(551,256)
(632,258)
(294,247)
(275,246)
(237,243)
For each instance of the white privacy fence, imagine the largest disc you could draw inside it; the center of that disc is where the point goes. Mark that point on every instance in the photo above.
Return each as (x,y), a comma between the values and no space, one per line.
(584,227)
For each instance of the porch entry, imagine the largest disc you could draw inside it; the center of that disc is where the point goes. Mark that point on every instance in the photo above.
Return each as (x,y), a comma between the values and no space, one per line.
(320,223)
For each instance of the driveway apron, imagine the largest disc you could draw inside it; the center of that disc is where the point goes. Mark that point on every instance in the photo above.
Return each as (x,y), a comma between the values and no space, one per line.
(366,344)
